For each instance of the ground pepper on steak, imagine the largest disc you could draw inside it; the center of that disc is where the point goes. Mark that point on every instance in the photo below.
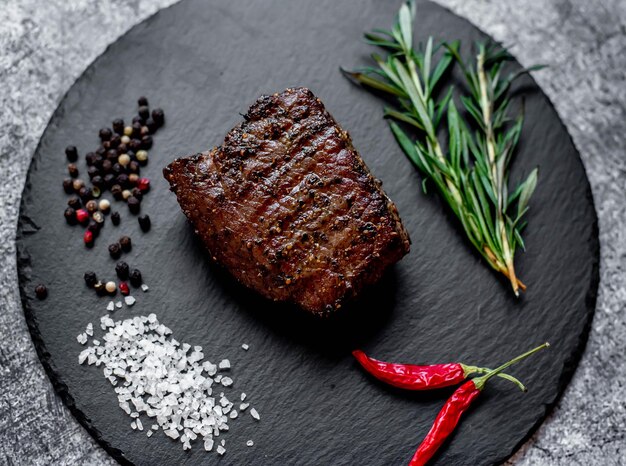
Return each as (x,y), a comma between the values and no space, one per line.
(288,206)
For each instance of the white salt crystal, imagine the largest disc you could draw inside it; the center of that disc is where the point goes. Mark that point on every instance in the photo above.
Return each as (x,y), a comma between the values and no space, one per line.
(83,356)
(89,329)
(82,338)
(172,433)
(129,300)
(110,306)
(245,347)
(255,414)
(243,396)
(118,304)
(249,443)
(243,406)
(152,373)
(144,287)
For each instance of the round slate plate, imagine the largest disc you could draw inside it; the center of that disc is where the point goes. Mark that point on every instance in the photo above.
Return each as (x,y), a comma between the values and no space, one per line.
(206,61)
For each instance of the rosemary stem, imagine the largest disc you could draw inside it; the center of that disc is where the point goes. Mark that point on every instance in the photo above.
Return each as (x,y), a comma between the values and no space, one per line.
(496,179)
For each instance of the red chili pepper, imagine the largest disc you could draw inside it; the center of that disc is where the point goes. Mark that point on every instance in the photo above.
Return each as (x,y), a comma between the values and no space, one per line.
(414,377)
(457,404)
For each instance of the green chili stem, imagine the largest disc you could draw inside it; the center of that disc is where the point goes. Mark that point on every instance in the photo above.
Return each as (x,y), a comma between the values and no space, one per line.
(480,381)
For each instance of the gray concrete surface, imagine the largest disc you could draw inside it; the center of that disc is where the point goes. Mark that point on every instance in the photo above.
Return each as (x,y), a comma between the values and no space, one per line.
(44,47)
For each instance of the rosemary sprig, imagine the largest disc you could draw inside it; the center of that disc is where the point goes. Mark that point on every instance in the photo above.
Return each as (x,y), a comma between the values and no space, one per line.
(472,174)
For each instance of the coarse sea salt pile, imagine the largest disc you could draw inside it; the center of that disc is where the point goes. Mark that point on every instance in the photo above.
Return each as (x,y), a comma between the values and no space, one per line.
(165,380)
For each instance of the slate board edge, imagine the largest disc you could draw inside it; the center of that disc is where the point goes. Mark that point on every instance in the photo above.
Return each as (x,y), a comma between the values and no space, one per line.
(24,267)
(594,245)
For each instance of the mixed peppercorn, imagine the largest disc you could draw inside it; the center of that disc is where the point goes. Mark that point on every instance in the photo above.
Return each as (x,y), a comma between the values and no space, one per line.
(124,274)
(115,167)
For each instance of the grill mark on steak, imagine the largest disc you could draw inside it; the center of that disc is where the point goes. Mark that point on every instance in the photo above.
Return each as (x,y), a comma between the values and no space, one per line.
(287,205)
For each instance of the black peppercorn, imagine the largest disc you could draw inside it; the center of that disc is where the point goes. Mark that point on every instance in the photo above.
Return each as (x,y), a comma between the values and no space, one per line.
(134,204)
(158,116)
(125,243)
(70,216)
(71,153)
(122,180)
(68,185)
(105,134)
(97,161)
(118,126)
(146,142)
(94,227)
(92,171)
(122,149)
(122,270)
(90,279)
(115,218)
(98,181)
(100,288)
(109,180)
(152,126)
(134,144)
(84,193)
(90,158)
(107,165)
(142,101)
(136,192)
(144,222)
(135,278)
(117,169)
(74,203)
(72,169)
(101,150)
(144,130)
(112,155)
(136,130)
(41,292)
(115,250)
(144,112)
(116,141)
(133,167)
(116,190)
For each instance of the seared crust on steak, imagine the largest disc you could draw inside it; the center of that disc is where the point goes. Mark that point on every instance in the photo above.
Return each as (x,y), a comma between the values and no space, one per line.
(288,206)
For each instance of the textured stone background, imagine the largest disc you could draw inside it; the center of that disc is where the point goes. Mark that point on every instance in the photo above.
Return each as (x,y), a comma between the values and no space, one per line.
(45,46)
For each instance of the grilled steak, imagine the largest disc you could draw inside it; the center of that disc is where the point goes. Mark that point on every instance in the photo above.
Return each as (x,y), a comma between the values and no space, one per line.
(288,206)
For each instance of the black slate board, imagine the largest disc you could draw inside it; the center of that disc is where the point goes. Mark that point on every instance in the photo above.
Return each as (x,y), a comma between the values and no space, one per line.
(205,61)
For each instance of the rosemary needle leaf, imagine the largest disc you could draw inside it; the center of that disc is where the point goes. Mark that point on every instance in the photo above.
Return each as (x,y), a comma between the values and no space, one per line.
(472,173)
(528,187)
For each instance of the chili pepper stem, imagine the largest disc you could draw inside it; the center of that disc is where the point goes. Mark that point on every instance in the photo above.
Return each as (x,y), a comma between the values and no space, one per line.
(484,370)
(480,381)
